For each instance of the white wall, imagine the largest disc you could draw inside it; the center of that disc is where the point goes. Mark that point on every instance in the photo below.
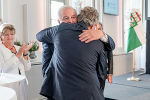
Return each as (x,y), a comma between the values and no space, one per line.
(113,26)
(34,16)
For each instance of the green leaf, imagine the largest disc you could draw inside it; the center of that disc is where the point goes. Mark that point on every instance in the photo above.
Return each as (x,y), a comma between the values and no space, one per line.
(35,47)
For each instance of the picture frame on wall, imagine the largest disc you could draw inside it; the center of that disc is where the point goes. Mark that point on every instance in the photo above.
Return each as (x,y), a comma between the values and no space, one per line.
(147,9)
(111,7)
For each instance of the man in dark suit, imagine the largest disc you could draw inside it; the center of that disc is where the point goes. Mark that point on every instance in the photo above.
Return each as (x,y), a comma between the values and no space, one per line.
(68,15)
(110,64)
(73,65)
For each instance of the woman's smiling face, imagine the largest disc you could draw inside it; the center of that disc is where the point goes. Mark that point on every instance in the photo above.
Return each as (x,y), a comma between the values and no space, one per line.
(8,36)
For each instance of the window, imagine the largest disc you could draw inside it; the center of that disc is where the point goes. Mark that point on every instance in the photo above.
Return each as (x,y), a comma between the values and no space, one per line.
(55,5)
(52,7)
(78,4)
(147,9)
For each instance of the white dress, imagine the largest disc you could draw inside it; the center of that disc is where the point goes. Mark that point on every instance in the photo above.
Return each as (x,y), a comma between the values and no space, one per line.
(9,63)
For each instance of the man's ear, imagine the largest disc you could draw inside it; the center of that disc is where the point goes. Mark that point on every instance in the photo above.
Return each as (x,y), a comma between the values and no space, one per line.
(91,27)
(58,21)
(94,27)
(99,27)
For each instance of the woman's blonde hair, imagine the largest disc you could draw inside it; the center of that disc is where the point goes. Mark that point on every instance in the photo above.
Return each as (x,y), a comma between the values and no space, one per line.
(4,27)
(89,16)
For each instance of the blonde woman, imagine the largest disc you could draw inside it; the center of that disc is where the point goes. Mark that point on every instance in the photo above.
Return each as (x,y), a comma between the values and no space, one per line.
(13,59)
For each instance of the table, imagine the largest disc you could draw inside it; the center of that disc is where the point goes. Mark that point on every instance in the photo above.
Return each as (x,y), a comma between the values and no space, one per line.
(16,82)
(4,91)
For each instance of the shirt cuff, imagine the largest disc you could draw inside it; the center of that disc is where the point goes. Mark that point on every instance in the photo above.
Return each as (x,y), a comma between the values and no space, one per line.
(104,38)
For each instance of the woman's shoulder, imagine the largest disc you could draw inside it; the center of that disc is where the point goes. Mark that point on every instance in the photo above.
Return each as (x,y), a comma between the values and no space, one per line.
(2,47)
(5,51)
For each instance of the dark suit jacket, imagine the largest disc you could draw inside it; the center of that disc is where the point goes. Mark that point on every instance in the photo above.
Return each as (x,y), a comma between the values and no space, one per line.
(46,89)
(109,69)
(47,53)
(110,62)
(48,48)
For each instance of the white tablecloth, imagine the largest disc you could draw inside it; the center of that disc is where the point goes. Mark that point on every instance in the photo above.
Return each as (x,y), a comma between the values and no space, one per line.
(16,82)
(7,94)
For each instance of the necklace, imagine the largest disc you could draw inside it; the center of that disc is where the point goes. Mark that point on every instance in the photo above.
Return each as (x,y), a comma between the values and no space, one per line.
(10,48)
(7,46)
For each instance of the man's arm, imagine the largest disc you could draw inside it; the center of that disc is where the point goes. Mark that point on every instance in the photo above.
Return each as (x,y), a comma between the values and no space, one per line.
(110,62)
(110,45)
(110,66)
(47,34)
(47,53)
(90,35)
(46,37)
(101,66)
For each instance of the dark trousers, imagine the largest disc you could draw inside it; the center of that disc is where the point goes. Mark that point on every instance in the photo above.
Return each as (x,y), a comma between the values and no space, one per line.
(102,84)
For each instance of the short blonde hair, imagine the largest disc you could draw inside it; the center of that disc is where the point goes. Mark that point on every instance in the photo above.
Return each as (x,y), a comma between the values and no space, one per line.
(89,16)
(4,27)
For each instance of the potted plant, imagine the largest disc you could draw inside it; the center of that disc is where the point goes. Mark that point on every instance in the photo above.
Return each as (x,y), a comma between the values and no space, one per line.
(34,48)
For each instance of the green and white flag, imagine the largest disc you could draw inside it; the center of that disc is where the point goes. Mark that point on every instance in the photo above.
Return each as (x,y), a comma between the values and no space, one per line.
(136,36)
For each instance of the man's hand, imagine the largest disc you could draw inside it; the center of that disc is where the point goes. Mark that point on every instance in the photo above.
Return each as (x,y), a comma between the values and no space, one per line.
(109,78)
(90,35)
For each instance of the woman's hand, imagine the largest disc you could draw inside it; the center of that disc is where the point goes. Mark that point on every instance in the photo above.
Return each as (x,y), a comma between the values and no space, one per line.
(21,50)
(29,46)
(26,49)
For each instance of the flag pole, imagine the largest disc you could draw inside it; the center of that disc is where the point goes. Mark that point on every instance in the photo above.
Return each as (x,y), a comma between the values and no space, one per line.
(133,78)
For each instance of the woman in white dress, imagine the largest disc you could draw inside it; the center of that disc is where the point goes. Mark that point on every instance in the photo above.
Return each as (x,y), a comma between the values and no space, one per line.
(13,59)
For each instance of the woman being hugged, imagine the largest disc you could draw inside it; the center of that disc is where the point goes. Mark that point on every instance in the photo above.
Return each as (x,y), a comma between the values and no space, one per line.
(13,59)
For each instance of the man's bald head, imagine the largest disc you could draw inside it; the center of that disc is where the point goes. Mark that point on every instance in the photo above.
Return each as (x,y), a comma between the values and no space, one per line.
(67,14)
